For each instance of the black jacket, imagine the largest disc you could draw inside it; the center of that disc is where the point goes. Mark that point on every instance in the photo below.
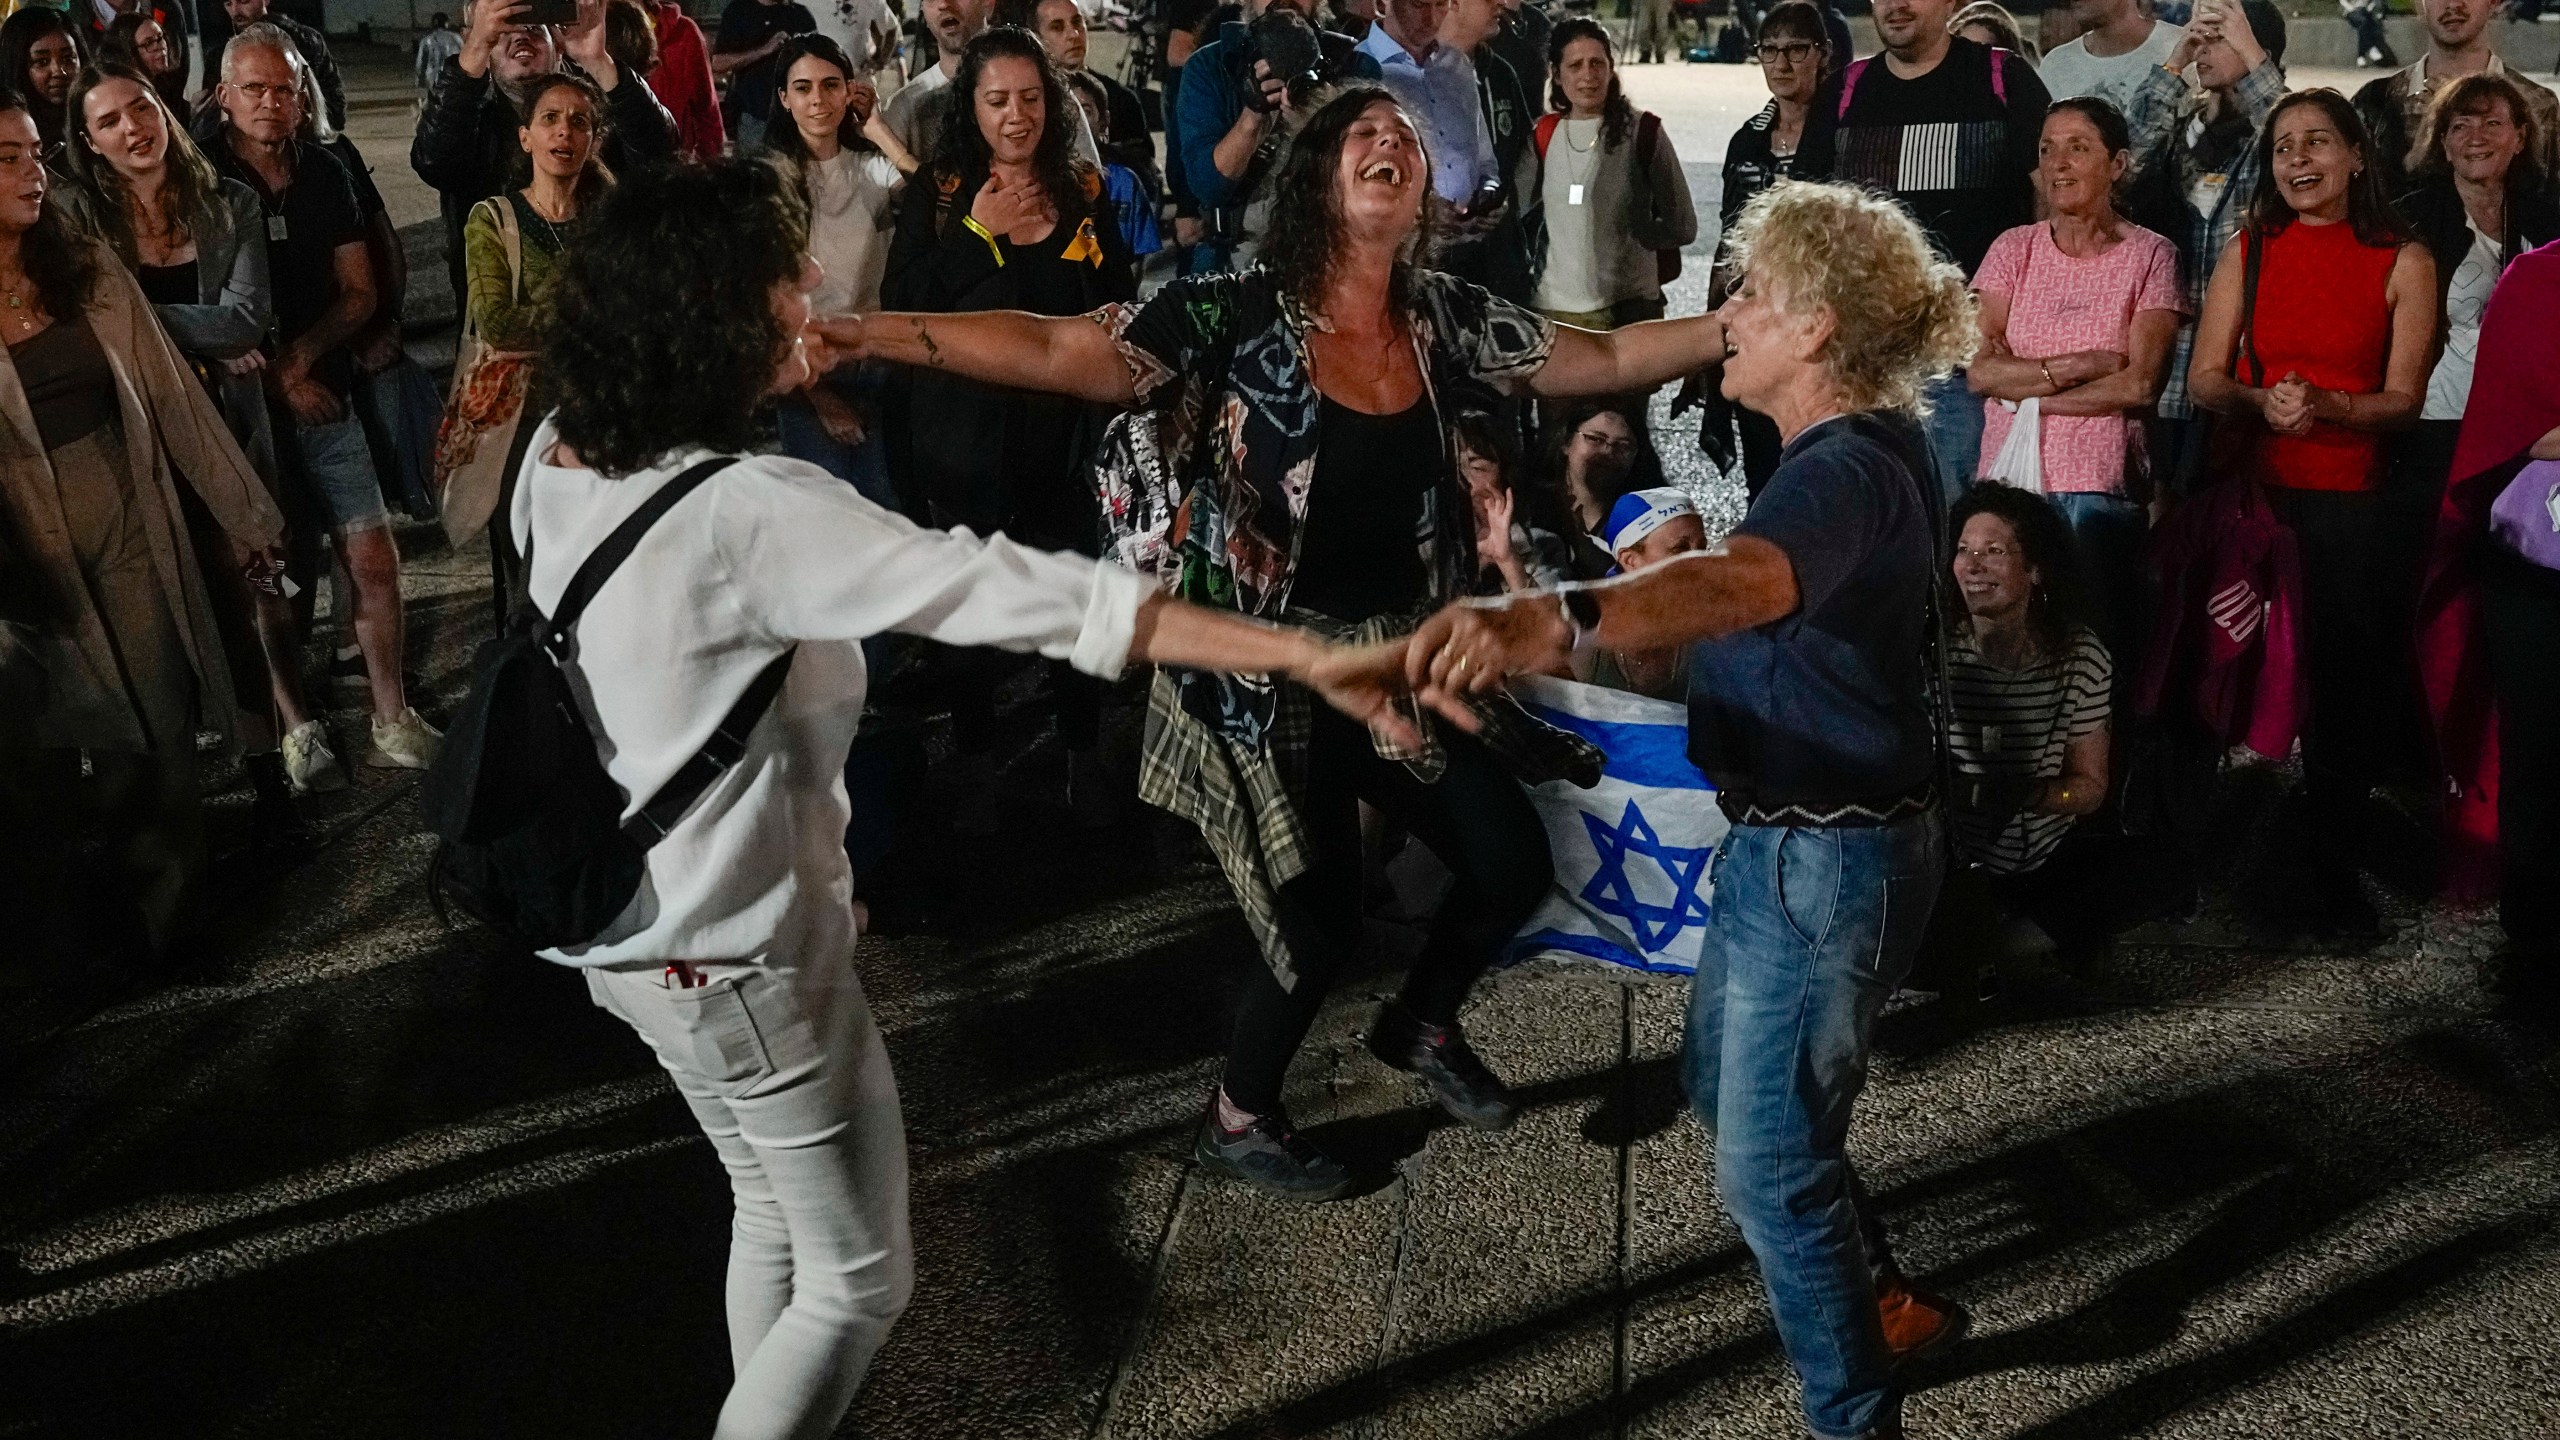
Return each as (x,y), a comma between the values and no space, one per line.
(2434,211)
(466,143)
(981,455)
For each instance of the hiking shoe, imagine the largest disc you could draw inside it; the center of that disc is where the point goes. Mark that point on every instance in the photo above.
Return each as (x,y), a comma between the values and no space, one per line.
(1917,1324)
(1472,1094)
(309,764)
(405,742)
(1272,1158)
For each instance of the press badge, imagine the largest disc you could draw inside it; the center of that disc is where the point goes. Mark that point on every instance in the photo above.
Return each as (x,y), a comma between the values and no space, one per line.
(1573,194)
(275,228)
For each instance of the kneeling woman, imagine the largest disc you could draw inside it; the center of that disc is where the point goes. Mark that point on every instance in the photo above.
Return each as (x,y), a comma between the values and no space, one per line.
(1327,496)
(736,966)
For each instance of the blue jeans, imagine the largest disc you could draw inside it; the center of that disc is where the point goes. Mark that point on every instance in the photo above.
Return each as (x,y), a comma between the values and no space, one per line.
(1812,929)
(865,465)
(2107,532)
(1955,434)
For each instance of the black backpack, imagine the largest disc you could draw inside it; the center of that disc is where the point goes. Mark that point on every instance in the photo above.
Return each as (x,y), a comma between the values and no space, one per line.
(529,828)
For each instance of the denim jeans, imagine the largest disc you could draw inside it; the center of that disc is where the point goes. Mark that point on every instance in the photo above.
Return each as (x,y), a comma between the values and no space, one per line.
(1955,434)
(863,465)
(786,1074)
(2107,532)
(1812,929)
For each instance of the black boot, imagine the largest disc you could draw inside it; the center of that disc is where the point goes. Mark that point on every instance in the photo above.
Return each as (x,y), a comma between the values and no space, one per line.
(1271,1157)
(1440,1055)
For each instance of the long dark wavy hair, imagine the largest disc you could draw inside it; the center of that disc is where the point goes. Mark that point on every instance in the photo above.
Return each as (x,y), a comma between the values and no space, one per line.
(193,187)
(1617,117)
(57,257)
(2060,602)
(961,153)
(782,137)
(2369,211)
(594,177)
(633,388)
(1305,190)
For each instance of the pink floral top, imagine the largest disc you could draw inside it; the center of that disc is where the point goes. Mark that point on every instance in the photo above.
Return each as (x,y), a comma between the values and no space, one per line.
(2058,304)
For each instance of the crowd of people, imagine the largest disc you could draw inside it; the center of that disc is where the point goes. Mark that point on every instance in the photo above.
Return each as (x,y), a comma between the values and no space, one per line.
(2105,410)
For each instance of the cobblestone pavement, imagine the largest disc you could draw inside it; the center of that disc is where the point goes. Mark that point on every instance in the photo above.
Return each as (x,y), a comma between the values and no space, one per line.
(373,1179)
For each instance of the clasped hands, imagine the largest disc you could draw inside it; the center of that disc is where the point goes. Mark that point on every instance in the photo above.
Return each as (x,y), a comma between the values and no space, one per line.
(1466,650)
(2292,405)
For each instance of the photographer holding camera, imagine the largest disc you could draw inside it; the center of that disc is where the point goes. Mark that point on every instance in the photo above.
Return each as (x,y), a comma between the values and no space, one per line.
(1242,95)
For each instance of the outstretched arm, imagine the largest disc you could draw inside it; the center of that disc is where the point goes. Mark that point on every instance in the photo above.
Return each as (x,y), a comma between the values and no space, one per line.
(1470,646)
(1633,357)
(1063,355)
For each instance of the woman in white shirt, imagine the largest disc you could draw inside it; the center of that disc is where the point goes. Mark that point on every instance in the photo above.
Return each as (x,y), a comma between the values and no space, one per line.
(1608,188)
(849,166)
(734,963)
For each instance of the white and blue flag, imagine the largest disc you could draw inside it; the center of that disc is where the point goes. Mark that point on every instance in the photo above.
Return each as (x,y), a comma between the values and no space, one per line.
(1631,852)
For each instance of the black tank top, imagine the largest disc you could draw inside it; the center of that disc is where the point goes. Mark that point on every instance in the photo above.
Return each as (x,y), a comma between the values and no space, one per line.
(1361,553)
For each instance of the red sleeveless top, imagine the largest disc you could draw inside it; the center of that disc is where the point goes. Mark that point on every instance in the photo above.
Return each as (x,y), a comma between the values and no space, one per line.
(2323,311)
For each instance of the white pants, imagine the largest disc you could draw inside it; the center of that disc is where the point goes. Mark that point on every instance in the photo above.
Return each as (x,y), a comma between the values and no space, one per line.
(785,1072)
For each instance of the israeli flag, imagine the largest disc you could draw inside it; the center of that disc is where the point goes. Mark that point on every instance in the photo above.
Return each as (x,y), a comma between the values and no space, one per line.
(1631,852)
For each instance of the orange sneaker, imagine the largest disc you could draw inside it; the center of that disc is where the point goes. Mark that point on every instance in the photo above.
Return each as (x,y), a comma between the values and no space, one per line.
(1917,1324)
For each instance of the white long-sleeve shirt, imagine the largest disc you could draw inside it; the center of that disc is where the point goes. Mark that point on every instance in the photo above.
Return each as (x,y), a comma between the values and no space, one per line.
(768,553)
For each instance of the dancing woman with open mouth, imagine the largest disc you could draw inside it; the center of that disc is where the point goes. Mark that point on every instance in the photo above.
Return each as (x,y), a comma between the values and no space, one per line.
(1305,407)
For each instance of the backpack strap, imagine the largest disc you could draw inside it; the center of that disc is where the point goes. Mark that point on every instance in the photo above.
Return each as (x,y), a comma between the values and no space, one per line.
(727,746)
(1546,131)
(2252,249)
(1849,85)
(606,558)
(1648,139)
(2000,76)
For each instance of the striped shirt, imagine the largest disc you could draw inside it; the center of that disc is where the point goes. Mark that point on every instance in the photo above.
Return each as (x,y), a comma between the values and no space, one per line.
(2016,724)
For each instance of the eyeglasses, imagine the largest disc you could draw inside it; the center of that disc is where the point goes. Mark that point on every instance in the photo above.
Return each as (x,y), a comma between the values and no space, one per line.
(1792,52)
(265,94)
(1603,440)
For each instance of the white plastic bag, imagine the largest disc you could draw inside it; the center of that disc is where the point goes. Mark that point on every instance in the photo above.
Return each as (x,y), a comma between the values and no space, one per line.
(2021,458)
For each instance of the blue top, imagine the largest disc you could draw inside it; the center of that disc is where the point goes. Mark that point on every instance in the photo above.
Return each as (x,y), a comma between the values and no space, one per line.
(1440,90)
(1829,706)
(1212,96)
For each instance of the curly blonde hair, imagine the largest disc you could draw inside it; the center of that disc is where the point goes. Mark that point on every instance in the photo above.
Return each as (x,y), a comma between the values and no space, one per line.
(1901,315)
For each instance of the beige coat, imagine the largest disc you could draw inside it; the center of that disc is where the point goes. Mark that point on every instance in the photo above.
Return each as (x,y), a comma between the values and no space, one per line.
(169,419)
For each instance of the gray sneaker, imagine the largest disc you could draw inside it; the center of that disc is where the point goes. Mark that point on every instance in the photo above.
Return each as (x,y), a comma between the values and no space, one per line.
(309,763)
(1272,1158)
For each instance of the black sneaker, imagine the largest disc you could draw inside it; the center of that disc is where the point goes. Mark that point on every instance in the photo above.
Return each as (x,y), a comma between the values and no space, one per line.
(1441,1056)
(1272,1158)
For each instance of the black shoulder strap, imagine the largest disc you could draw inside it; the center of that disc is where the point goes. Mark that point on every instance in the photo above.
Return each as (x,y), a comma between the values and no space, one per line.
(606,558)
(728,744)
(2252,246)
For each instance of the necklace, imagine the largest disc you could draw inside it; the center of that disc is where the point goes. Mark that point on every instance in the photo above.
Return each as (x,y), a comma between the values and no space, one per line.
(19,310)
(1577,188)
(550,226)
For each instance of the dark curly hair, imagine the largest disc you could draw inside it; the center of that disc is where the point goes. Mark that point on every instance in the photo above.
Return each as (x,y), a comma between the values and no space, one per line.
(633,387)
(961,153)
(1305,189)
(1617,117)
(595,176)
(2369,211)
(2060,602)
(58,257)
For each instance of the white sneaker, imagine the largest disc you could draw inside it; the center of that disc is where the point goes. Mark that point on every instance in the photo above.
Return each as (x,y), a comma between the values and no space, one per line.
(309,764)
(406,743)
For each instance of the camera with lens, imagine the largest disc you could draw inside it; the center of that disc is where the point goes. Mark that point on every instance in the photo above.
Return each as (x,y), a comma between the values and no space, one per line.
(1284,40)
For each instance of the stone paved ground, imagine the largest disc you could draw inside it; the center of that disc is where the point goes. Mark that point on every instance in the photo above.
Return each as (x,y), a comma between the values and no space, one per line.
(374,1179)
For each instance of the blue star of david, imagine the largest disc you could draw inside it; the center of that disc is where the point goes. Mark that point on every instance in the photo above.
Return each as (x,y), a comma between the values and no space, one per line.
(1611,892)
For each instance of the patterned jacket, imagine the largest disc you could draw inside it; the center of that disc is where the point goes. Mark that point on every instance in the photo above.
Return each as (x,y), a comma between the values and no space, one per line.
(2163,111)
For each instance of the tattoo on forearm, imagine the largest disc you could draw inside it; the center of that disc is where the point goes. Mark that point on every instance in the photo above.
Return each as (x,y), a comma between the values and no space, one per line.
(932,352)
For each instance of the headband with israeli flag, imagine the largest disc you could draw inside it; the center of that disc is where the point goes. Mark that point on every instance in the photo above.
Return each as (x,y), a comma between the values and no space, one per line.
(1641,512)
